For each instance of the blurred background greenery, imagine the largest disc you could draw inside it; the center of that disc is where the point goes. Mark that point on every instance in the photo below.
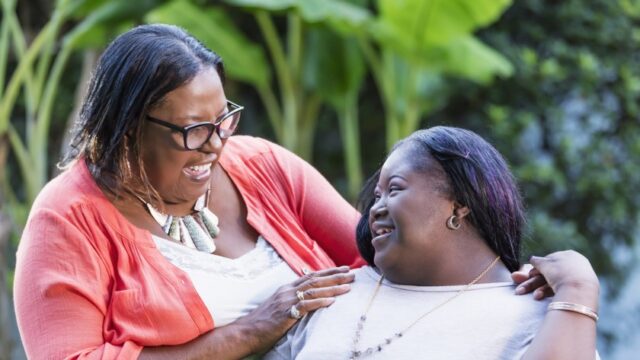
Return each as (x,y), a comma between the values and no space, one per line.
(554,85)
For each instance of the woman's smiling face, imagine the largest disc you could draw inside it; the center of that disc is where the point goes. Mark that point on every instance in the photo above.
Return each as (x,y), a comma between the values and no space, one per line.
(409,216)
(180,175)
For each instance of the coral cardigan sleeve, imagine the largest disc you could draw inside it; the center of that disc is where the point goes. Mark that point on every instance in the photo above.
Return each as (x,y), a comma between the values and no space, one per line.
(61,290)
(325,215)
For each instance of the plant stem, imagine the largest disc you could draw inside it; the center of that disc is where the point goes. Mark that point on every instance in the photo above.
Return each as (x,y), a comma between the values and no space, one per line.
(40,141)
(289,129)
(350,129)
(273,109)
(308,120)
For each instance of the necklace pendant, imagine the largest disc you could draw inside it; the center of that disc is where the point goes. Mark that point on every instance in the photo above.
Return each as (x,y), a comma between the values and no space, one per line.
(185,236)
(210,221)
(159,217)
(196,231)
(200,238)
(174,229)
(201,203)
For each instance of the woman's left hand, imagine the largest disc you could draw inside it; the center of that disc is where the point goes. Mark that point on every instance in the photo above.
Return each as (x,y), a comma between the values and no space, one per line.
(566,271)
(530,280)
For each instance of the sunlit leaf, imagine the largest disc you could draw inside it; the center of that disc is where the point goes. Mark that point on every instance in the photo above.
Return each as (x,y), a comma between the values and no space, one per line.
(422,22)
(342,16)
(469,58)
(244,60)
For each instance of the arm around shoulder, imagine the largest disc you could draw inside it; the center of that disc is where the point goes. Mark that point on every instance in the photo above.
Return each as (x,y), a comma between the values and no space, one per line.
(567,334)
(326,216)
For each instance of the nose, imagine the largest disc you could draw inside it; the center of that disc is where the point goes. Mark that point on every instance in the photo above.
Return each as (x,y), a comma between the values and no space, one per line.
(378,209)
(213,145)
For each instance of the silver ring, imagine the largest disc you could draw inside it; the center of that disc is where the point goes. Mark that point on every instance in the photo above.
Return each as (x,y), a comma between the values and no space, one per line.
(294,313)
(300,295)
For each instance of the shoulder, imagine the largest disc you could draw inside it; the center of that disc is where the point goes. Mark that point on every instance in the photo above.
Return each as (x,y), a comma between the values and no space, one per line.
(71,206)
(243,148)
(74,187)
(508,307)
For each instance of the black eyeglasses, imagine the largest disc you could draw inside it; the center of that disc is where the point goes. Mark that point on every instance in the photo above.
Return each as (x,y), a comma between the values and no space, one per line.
(196,135)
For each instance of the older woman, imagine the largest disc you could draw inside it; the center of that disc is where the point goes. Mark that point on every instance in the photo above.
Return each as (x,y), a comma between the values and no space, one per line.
(441,234)
(153,235)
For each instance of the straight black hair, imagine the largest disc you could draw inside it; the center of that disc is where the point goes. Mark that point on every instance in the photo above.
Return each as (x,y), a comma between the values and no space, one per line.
(133,75)
(477,177)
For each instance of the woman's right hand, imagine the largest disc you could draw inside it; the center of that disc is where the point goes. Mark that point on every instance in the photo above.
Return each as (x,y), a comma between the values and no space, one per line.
(271,320)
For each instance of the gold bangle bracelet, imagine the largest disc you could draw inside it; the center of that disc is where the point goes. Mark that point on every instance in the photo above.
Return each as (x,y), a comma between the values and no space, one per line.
(578,308)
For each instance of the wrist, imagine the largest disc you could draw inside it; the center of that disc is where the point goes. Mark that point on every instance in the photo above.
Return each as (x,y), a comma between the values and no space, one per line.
(249,334)
(586,293)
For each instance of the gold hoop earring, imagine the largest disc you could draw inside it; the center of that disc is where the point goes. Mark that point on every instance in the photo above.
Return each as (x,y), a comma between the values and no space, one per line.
(453,222)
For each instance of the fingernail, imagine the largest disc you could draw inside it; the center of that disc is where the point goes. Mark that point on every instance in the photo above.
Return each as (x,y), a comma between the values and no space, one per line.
(520,290)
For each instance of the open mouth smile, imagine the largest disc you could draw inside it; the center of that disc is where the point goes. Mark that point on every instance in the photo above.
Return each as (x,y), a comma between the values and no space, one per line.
(198,172)
(380,231)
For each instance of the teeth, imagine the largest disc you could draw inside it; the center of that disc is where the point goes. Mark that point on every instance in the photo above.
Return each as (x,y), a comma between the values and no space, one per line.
(200,168)
(383,231)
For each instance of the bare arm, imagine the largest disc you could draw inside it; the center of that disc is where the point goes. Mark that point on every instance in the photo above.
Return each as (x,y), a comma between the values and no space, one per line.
(263,327)
(565,334)
(233,341)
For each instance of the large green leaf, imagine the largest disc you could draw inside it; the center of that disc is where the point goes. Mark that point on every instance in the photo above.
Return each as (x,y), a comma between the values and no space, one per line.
(106,19)
(422,22)
(469,58)
(334,66)
(271,5)
(133,8)
(244,60)
(342,16)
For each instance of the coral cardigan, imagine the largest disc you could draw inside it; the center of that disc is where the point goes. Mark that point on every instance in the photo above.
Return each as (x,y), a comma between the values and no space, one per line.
(89,284)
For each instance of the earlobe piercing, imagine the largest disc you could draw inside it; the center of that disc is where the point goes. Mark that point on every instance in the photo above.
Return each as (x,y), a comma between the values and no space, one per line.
(453,222)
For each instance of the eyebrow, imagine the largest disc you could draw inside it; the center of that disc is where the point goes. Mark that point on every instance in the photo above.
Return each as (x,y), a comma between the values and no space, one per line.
(200,119)
(397,176)
(391,178)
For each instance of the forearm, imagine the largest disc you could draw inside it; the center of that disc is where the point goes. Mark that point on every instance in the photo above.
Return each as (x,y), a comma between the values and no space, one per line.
(567,334)
(233,341)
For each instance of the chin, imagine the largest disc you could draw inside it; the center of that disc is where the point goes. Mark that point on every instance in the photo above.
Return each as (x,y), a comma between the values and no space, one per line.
(382,262)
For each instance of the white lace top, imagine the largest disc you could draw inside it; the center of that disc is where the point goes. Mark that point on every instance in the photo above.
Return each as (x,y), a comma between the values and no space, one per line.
(230,288)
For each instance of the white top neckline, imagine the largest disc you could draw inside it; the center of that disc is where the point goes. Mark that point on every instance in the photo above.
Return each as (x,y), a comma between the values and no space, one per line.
(371,272)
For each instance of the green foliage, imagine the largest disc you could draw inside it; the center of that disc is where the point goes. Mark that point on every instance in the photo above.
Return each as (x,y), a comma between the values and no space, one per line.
(568,122)
(419,41)
(39,66)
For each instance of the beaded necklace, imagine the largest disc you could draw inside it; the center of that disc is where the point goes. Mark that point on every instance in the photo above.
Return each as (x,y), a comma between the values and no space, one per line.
(357,354)
(197,230)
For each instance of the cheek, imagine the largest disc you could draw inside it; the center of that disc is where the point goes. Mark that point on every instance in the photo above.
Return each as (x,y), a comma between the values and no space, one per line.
(163,164)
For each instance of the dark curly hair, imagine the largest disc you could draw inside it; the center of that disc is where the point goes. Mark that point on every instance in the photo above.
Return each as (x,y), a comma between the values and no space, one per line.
(477,177)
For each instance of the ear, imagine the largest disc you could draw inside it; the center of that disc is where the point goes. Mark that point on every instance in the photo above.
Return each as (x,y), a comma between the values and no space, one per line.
(460,210)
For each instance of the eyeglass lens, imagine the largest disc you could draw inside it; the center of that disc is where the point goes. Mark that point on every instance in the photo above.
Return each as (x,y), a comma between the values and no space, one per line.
(197,136)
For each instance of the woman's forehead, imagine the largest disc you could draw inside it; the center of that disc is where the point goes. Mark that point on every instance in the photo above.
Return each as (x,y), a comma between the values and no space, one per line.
(407,161)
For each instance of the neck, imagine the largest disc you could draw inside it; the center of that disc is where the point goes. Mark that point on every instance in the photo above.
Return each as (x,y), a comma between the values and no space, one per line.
(458,262)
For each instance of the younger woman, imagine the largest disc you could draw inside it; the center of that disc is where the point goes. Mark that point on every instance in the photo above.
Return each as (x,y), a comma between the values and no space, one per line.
(441,232)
